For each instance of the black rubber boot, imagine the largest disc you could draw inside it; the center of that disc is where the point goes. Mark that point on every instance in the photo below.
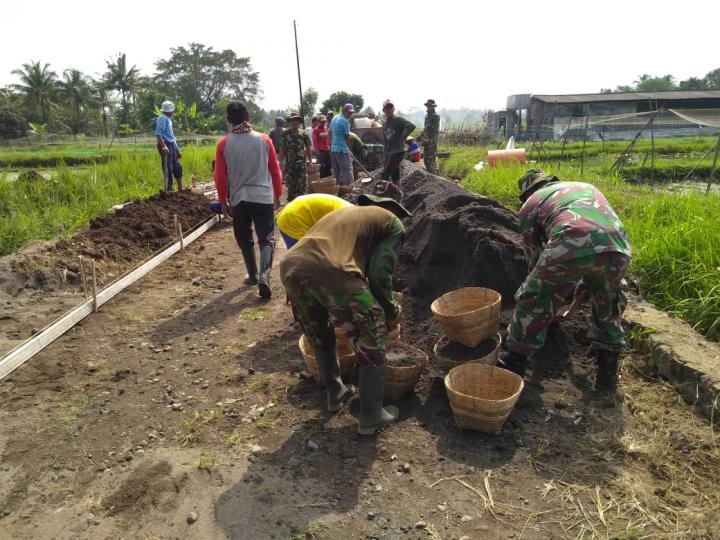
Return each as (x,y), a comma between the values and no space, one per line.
(607,367)
(251,278)
(337,392)
(266,259)
(372,391)
(513,361)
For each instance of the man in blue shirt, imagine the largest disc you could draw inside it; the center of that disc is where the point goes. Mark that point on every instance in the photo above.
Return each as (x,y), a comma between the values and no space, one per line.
(340,156)
(167,146)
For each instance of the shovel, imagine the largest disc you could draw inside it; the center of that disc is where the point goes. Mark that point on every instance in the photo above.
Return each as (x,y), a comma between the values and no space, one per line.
(570,310)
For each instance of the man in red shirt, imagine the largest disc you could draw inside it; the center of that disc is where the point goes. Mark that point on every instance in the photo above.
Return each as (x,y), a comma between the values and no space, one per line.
(321,142)
(249,186)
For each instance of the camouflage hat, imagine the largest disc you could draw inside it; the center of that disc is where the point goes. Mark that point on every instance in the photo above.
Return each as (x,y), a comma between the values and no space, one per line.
(430,103)
(384,202)
(533,178)
(279,121)
(294,115)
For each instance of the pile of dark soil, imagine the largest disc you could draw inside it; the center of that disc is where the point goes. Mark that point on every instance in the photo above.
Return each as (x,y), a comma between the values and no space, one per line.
(399,355)
(457,352)
(116,241)
(137,229)
(454,239)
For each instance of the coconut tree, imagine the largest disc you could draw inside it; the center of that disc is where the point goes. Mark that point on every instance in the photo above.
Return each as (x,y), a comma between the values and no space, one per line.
(125,81)
(76,88)
(38,85)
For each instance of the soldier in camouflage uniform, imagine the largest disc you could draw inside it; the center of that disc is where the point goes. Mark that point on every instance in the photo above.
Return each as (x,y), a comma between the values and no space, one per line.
(429,137)
(340,275)
(296,149)
(575,243)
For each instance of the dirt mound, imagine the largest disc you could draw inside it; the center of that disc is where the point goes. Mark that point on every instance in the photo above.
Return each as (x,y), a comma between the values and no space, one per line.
(137,229)
(454,239)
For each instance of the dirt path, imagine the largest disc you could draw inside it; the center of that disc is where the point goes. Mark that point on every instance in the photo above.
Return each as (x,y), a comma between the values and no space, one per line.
(185,395)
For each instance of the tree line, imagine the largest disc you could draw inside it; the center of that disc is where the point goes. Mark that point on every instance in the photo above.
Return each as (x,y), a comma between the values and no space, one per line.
(122,100)
(666,83)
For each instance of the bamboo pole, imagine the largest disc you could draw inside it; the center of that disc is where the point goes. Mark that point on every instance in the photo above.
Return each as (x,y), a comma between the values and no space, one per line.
(652,149)
(582,162)
(84,279)
(714,165)
(94,287)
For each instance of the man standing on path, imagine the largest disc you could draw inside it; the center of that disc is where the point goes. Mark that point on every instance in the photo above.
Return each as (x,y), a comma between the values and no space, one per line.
(575,244)
(340,155)
(429,137)
(276,133)
(249,185)
(295,151)
(396,129)
(340,275)
(321,141)
(167,146)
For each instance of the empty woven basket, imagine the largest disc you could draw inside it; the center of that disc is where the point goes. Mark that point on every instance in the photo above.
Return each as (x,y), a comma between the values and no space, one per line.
(482,397)
(468,315)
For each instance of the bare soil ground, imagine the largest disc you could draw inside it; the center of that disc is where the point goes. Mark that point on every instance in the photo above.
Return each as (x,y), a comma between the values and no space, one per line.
(182,409)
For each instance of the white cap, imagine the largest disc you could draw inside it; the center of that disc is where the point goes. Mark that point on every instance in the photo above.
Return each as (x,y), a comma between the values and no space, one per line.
(167,106)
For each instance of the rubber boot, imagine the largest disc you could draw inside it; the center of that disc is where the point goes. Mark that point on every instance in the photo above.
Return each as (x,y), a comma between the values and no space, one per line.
(337,392)
(372,391)
(607,367)
(266,259)
(251,278)
(513,361)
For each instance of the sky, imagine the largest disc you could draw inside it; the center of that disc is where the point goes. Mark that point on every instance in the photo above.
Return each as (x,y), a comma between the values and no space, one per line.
(462,54)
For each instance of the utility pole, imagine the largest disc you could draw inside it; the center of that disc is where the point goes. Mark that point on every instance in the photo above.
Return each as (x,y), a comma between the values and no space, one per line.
(297,57)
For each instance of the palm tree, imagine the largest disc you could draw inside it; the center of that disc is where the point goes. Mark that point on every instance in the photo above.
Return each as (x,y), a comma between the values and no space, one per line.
(39,87)
(75,86)
(118,77)
(102,99)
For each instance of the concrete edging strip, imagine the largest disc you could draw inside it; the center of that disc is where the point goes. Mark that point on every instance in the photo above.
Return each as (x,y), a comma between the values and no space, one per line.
(681,355)
(29,348)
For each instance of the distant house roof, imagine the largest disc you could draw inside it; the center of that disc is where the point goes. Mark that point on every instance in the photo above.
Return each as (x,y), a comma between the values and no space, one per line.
(627,96)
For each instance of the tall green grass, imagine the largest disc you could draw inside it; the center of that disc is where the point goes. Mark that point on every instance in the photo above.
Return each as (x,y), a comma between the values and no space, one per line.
(675,236)
(42,209)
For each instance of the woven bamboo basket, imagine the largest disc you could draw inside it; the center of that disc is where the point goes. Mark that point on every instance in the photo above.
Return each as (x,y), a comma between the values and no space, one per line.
(326,185)
(314,168)
(401,380)
(468,315)
(347,362)
(314,177)
(482,397)
(446,364)
(344,189)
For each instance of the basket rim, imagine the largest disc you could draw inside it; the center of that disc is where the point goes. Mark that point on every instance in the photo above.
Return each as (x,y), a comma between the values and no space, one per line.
(401,344)
(449,388)
(303,339)
(435,303)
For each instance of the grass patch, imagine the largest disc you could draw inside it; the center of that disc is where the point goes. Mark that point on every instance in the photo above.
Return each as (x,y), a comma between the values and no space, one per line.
(44,209)
(68,411)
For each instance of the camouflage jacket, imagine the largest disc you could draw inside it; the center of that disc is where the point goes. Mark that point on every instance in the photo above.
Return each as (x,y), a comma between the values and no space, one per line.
(295,144)
(357,147)
(431,130)
(567,220)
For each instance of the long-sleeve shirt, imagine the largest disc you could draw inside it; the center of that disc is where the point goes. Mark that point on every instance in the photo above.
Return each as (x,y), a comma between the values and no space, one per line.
(563,221)
(346,248)
(247,169)
(396,131)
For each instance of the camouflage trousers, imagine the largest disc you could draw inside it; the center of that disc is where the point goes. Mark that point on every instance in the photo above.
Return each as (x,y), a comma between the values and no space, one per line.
(295,179)
(547,290)
(319,310)
(430,158)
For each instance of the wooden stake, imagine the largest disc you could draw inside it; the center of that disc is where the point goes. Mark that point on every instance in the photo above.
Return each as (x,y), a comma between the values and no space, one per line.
(180,234)
(94,286)
(652,150)
(82,274)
